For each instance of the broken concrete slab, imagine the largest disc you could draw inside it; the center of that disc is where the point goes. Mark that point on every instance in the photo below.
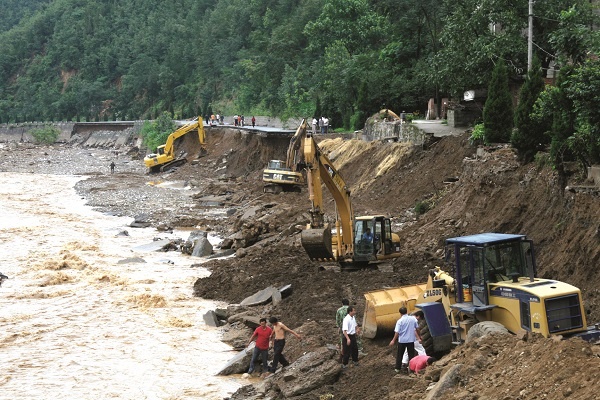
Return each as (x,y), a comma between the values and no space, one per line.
(141,221)
(286,291)
(153,246)
(239,363)
(248,318)
(225,253)
(236,335)
(132,260)
(276,297)
(261,297)
(250,212)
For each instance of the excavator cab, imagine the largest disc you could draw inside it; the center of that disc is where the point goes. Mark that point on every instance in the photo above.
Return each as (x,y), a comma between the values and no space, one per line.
(372,237)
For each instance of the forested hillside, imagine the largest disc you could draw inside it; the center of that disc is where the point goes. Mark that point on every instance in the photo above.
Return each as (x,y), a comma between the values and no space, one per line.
(94,59)
(15,10)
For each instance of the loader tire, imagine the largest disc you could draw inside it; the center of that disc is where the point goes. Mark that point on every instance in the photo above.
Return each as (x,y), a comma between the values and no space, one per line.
(427,341)
(485,328)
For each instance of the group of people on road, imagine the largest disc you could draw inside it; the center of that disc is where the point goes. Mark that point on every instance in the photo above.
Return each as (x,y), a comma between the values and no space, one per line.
(269,337)
(321,125)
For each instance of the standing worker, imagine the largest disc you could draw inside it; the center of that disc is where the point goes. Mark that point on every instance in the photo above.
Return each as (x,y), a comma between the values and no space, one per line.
(262,334)
(350,344)
(253,121)
(112,167)
(278,340)
(405,333)
(340,314)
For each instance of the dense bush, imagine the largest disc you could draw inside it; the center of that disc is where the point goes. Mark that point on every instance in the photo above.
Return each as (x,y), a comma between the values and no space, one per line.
(46,134)
(156,133)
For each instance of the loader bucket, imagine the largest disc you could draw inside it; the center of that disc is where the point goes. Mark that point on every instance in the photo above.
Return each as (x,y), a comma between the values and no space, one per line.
(317,244)
(382,308)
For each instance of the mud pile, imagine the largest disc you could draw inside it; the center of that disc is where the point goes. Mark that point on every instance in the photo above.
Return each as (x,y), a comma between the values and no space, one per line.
(466,193)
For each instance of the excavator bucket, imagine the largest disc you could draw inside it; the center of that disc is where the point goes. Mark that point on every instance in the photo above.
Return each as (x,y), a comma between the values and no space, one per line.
(382,308)
(317,244)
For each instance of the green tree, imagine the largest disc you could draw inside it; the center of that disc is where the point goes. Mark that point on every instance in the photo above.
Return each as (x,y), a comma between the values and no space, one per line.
(156,133)
(498,110)
(46,134)
(530,136)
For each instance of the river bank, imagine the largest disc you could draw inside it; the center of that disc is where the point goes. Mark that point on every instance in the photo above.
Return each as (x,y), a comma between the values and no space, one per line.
(87,313)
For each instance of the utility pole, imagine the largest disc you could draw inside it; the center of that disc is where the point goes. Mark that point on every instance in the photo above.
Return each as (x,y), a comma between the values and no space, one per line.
(530,37)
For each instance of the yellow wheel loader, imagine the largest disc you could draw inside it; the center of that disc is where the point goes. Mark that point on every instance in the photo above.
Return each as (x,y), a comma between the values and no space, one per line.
(492,287)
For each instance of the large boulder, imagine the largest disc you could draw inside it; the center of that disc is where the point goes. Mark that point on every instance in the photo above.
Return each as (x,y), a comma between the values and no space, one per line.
(197,244)
(311,371)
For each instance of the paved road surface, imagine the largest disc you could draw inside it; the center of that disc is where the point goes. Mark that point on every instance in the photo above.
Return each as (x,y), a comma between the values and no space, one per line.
(437,128)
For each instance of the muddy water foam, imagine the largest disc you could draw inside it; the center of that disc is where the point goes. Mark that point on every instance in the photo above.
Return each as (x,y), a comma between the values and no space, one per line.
(77,324)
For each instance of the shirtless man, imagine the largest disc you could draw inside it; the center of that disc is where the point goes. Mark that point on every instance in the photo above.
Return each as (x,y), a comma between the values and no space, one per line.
(278,341)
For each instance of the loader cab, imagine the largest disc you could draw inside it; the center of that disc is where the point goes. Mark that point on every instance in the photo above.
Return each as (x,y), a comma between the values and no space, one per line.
(488,258)
(372,236)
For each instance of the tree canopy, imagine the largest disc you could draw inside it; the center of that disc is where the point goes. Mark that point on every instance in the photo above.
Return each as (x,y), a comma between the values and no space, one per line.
(135,59)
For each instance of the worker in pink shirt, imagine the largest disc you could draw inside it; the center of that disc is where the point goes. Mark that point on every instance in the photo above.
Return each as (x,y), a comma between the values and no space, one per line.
(419,363)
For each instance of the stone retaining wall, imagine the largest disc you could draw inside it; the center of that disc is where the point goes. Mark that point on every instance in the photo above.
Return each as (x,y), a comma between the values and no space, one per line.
(394,130)
(20,132)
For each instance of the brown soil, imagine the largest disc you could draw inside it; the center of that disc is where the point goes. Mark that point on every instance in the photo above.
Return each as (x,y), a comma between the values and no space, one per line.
(466,194)
(492,193)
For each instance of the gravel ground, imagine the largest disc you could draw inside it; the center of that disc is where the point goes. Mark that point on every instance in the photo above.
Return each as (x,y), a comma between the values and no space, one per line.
(127,192)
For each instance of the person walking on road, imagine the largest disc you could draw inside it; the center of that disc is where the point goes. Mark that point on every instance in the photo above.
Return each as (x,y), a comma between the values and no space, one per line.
(350,344)
(278,341)
(315,123)
(112,167)
(262,334)
(253,121)
(405,333)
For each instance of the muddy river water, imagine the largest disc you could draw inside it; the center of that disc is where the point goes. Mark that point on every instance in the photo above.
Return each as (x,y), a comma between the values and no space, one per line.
(76,322)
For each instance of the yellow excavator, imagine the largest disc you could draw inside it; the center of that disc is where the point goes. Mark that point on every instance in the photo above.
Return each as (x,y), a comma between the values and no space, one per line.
(357,241)
(286,176)
(165,157)
(492,288)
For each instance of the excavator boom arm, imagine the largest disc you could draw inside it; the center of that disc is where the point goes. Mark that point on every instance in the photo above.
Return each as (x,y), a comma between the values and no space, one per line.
(194,124)
(320,170)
